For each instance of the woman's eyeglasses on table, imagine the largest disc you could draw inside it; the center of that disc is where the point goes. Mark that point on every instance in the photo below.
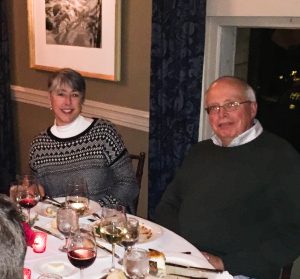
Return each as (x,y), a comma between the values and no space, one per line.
(230,106)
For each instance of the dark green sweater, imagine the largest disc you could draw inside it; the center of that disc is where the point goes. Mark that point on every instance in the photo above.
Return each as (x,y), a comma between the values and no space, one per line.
(240,203)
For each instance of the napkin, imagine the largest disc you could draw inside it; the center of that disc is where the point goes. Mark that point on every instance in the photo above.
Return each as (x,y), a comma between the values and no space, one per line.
(186,272)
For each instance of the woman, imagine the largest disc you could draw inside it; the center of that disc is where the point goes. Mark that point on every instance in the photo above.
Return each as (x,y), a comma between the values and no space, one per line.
(77,146)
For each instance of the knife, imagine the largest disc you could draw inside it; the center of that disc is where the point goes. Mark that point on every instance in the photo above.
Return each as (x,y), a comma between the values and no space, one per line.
(196,268)
(107,250)
(184,276)
(49,232)
(51,200)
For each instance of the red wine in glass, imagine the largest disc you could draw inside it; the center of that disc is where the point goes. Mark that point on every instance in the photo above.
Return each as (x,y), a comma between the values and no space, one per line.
(28,202)
(28,192)
(82,257)
(82,249)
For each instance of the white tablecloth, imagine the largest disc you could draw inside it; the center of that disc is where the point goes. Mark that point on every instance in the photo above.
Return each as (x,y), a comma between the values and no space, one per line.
(166,241)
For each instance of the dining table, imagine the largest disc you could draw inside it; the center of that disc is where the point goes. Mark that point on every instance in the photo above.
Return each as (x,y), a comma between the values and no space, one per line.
(176,249)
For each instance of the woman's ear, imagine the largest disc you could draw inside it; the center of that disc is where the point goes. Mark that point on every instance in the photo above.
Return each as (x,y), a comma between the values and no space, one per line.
(50,100)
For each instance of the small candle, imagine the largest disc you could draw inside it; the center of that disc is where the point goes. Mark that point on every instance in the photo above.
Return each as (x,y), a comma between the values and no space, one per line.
(26,273)
(40,240)
(78,205)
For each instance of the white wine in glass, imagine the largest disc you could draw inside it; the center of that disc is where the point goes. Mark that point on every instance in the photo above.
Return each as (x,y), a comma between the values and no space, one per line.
(113,228)
(77,196)
(132,235)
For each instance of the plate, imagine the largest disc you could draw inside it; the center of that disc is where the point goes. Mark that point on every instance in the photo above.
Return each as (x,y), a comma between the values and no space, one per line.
(59,266)
(148,231)
(49,210)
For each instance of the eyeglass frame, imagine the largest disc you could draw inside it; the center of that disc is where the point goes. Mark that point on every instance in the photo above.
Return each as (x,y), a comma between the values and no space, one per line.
(228,107)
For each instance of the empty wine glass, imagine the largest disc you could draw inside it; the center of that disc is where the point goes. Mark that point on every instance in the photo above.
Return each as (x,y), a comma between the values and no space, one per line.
(82,249)
(28,192)
(113,227)
(77,195)
(67,221)
(136,263)
(132,235)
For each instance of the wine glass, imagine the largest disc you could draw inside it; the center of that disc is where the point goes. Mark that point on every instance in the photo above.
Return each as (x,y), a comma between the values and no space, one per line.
(136,263)
(67,221)
(77,195)
(113,228)
(82,249)
(132,235)
(28,193)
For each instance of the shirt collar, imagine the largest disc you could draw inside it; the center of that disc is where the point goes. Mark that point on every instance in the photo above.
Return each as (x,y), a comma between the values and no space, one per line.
(73,129)
(243,138)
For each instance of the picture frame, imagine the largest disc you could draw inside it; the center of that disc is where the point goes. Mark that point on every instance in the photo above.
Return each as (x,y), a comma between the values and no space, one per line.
(86,38)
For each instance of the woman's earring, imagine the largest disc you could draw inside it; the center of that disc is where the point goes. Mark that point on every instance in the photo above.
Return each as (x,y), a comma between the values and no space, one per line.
(50,108)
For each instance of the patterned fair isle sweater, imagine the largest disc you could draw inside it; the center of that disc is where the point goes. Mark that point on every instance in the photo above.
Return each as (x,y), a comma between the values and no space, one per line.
(98,154)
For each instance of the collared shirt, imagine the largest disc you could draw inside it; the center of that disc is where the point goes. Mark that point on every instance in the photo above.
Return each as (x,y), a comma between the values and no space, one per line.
(73,129)
(243,138)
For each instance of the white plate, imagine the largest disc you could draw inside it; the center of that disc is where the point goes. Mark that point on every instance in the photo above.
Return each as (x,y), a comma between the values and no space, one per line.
(155,231)
(41,208)
(46,267)
(148,232)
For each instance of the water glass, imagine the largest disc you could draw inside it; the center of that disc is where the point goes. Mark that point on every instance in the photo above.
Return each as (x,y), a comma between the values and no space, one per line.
(67,221)
(136,263)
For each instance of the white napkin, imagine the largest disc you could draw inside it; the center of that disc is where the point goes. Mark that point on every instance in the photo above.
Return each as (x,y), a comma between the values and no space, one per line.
(194,273)
(190,260)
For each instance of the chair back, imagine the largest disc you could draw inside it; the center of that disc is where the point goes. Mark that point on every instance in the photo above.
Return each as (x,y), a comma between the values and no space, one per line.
(286,271)
(138,160)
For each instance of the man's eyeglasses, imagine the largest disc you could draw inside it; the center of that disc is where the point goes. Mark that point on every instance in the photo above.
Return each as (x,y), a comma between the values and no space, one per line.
(230,106)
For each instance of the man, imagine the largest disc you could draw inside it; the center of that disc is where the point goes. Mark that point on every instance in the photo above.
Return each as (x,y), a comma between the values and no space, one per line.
(236,196)
(12,244)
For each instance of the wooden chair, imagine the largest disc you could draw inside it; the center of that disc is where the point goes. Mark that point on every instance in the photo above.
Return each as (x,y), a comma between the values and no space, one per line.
(138,161)
(286,271)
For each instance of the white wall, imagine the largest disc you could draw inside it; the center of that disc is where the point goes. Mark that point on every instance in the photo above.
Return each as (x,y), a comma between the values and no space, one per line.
(253,8)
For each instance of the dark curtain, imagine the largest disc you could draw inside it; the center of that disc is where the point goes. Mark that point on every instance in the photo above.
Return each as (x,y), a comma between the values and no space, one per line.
(178,28)
(7,152)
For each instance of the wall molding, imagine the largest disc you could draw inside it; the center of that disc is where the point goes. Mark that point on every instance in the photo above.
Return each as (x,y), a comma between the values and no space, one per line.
(123,116)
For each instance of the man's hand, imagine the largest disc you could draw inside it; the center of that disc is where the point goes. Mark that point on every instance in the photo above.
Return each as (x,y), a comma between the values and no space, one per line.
(215,261)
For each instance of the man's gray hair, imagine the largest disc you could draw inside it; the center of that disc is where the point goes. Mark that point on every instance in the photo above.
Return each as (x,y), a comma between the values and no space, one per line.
(12,245)
(250,93)
(247,89)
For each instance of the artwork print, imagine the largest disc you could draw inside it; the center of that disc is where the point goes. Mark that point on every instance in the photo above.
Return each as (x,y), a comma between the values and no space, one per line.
(73,22)
(84,35)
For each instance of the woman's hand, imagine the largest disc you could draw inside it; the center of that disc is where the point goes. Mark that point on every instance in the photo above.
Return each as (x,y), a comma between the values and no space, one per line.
(215,261)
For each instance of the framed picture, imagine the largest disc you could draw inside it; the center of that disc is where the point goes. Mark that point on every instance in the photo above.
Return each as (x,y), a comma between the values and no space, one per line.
(83,35)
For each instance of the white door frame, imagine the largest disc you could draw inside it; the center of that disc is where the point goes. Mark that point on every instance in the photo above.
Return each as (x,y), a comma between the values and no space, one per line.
(220,46)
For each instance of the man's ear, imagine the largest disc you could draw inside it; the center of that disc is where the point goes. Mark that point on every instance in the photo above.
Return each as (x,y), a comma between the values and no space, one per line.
(253,109)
